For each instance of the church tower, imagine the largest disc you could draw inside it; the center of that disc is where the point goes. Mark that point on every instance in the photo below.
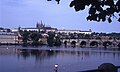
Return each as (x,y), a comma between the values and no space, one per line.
(37,25)
(40,25)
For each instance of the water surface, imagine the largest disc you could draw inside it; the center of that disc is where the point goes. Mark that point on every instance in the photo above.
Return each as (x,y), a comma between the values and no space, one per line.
(43,59)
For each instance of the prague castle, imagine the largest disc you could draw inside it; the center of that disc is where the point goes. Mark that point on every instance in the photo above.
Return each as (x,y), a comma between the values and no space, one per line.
(40,27)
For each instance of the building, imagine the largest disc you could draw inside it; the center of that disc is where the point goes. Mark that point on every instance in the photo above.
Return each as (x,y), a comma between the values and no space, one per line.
(5,29)
(75,31)
(14,30)
(43,29)
(40,27)
(86,32)
(30,29)
(8,38)
(1,29)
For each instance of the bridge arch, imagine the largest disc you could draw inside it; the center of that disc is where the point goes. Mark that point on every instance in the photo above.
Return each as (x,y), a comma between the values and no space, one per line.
(83,43)
(65,43)
(94,44)
(107,44)
(73,43)
(118,45)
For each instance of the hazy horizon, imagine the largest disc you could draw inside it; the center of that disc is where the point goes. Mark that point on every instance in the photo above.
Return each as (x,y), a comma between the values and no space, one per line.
(26,13)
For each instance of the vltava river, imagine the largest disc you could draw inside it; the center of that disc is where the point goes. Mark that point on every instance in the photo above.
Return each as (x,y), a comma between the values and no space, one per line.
(43,59)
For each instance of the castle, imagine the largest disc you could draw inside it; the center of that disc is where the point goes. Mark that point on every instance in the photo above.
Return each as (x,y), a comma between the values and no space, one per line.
(40,27)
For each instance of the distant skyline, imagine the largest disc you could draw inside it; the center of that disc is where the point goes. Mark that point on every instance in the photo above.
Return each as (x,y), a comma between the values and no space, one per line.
(26,13)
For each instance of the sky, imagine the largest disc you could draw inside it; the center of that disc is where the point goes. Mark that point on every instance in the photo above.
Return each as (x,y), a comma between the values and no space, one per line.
(26,13)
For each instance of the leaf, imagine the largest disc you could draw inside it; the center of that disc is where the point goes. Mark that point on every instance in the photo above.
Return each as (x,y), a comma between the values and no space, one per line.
(118,3)
(94,17)
(89,18)
(109,20)
(58,1)
(99,8)
(119,19)
(49,0)
(92,10)
(79,5)
(72,4)
(103,8)
(109,2)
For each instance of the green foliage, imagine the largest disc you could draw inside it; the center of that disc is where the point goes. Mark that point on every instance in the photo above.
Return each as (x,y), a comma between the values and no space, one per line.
(100,10)
(25,36)
(35,43)
(50,38)
(98,38)
(30,36)
(35,36)
(53,40)
(107,43)
(57,41)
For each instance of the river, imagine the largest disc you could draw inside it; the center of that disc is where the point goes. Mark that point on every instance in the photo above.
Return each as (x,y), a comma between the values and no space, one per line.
(43,59)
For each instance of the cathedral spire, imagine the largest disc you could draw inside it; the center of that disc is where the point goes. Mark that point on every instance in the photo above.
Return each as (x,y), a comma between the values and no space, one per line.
(37,25)
(44,25)
(41,22)
(40,25)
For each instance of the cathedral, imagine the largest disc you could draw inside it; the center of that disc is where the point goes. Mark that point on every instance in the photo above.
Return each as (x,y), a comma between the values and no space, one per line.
(40,25)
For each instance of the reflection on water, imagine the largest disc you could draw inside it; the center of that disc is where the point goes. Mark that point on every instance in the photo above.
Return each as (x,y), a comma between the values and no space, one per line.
(43,59)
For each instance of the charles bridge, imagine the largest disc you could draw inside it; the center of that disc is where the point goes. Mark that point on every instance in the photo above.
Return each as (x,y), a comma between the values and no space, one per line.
(91,42)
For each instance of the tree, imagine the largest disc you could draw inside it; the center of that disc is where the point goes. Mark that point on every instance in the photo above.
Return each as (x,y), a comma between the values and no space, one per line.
(35,37)
(107,43)
(100,10)
(57,40)
(25,36)
(98,38)
(51,38)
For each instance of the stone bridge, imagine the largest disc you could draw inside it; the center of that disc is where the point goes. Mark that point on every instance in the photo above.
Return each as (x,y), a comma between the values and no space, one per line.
(91,42)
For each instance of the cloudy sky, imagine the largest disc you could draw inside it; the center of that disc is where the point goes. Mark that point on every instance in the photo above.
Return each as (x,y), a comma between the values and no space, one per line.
(26,13)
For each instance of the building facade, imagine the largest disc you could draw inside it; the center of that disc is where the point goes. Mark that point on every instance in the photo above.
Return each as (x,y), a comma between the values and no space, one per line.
(75,31)
(8,38)
(40,27)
